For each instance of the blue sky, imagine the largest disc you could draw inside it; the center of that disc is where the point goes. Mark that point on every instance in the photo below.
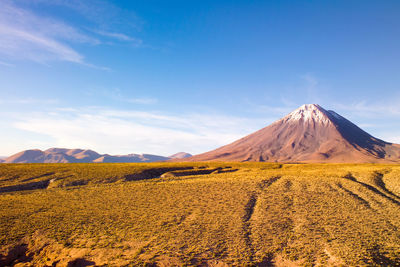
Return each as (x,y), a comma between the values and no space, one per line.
(166,76)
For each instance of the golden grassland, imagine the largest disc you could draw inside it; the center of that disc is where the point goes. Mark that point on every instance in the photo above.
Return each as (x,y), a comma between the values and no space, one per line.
(210,214)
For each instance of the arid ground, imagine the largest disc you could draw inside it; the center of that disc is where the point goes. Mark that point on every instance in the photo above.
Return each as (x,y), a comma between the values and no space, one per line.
(210,214)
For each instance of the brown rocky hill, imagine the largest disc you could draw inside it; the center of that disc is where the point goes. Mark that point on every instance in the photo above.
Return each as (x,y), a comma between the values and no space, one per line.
(308,134)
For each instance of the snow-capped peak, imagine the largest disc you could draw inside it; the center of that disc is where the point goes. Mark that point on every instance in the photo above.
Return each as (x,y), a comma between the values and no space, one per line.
(309,113)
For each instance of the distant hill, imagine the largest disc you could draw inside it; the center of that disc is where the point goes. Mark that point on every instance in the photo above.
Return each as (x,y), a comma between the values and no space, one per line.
(308,134)
(79,154)
(39,156)
(131,158)
(65,155)
(180,155)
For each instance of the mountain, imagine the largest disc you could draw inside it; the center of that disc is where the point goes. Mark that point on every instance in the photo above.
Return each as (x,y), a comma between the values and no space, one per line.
(79,155)
(180,155)
(38,156)
(308,134)
(65,155)
(131,158)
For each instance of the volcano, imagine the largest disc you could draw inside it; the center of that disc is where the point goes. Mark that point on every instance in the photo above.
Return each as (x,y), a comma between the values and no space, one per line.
(308,134)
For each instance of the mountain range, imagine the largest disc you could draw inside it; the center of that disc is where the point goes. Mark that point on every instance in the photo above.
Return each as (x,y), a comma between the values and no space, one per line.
(308,134)
(64,155)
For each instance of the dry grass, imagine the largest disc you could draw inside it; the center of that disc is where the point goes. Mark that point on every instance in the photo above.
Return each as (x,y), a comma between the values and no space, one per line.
(200,214)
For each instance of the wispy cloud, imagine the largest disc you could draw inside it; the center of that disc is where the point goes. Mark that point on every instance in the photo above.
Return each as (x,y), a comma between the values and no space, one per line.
(117,94)
(120,37)
(311,87)
(272,110)
(371,110)
(378,118)
(144,101)
(119,131)
(27,101)
(27,36)
(6,64)
(306,89)
(21,44)
(301,89)
(104,14)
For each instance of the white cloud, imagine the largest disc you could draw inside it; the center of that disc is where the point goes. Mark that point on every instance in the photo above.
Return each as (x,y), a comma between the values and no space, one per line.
(119,132)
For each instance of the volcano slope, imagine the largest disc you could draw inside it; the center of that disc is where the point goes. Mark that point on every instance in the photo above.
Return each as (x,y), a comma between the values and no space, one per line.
(308,134)
(191,214)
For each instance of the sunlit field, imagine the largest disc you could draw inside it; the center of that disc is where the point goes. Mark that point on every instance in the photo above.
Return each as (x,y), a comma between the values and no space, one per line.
(210,214)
